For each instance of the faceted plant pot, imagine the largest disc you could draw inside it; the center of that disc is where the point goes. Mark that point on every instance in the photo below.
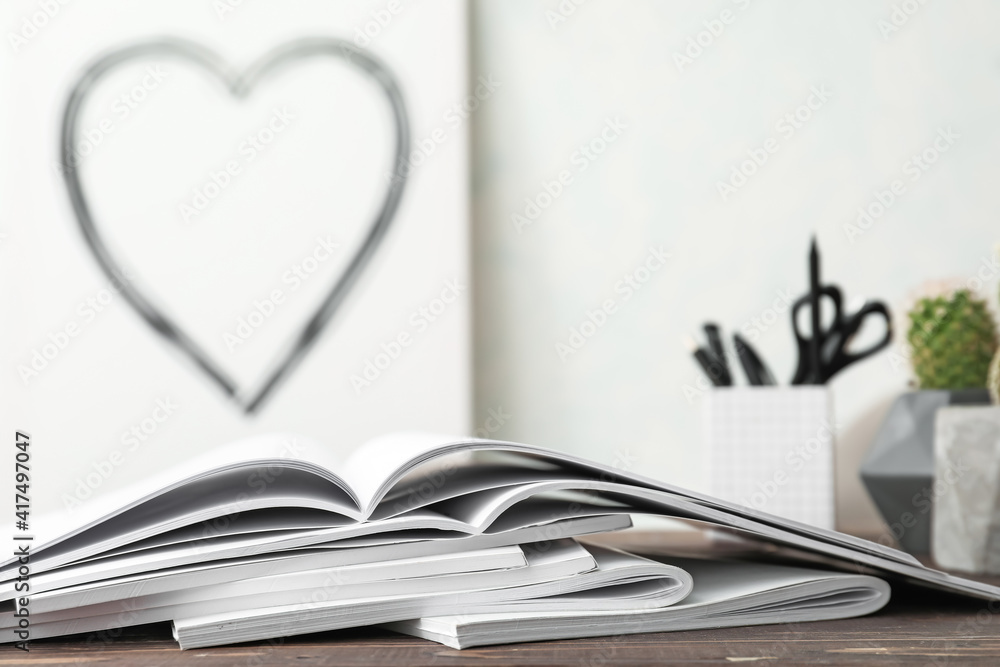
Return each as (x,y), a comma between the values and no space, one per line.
(898,469)
(965,527)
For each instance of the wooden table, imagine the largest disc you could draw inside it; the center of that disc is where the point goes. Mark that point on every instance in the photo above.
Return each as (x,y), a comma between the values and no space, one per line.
(918,627)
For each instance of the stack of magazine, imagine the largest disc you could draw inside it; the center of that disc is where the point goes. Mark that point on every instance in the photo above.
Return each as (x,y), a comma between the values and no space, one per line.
(461,542)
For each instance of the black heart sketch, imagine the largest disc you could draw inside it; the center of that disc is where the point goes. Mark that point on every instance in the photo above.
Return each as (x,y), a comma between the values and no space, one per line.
(240,85)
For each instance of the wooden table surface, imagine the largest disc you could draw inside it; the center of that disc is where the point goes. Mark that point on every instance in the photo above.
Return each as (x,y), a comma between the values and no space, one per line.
(917,627)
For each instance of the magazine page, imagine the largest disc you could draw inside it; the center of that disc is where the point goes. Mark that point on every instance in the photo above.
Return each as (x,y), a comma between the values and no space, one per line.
(264,458)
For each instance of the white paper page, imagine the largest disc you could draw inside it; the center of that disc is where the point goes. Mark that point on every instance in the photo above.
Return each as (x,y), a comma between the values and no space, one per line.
(715,583)
(379,459)
(552,569)
(276,448)
(430,446)
(266,547)
(659,497)
(400,576)
(408,495)
(278,522)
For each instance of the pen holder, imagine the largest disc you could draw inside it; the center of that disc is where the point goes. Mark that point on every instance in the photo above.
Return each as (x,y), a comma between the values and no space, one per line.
(771,449)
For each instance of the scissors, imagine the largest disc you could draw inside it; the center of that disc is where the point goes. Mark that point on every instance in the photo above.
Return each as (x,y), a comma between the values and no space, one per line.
(826,352)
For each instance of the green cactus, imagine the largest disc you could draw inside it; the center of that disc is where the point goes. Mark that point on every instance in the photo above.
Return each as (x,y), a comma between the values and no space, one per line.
(952,340)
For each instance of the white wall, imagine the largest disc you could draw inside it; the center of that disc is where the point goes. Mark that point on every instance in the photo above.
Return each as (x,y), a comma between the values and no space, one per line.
(323,178)
(621,395)
(620,398)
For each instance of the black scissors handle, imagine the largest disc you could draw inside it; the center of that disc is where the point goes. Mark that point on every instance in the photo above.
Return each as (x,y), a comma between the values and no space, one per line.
(804,373)
(841,358)
(835,339)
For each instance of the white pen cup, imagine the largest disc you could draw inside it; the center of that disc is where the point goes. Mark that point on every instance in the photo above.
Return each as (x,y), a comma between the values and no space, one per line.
(771,449)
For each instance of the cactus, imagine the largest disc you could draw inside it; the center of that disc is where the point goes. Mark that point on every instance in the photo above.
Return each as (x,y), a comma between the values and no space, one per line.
(952,340)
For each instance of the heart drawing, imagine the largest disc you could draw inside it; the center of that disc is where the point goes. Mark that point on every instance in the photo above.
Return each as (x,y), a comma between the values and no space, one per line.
(240,84)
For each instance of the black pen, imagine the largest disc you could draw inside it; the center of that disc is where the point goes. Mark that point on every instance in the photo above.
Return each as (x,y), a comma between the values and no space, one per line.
(815,361)
(757,373)
(714,335)
(714,369)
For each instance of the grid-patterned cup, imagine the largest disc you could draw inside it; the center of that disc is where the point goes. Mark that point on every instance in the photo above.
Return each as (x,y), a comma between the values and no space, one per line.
(771,449)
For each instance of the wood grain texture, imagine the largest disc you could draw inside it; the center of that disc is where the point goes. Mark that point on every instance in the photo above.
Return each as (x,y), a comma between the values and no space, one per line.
(918,627)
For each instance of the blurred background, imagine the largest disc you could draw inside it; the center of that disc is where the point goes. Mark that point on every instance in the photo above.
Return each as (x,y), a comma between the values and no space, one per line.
(634,170)
(896,72)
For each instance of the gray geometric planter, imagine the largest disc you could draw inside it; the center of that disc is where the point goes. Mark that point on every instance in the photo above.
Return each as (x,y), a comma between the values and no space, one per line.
(898,469)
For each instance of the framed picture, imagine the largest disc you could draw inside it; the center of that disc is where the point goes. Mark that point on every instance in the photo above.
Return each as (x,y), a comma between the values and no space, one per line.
(253,221)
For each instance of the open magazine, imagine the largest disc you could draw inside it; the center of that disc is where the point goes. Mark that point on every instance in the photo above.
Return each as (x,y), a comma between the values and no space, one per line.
(458,541)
